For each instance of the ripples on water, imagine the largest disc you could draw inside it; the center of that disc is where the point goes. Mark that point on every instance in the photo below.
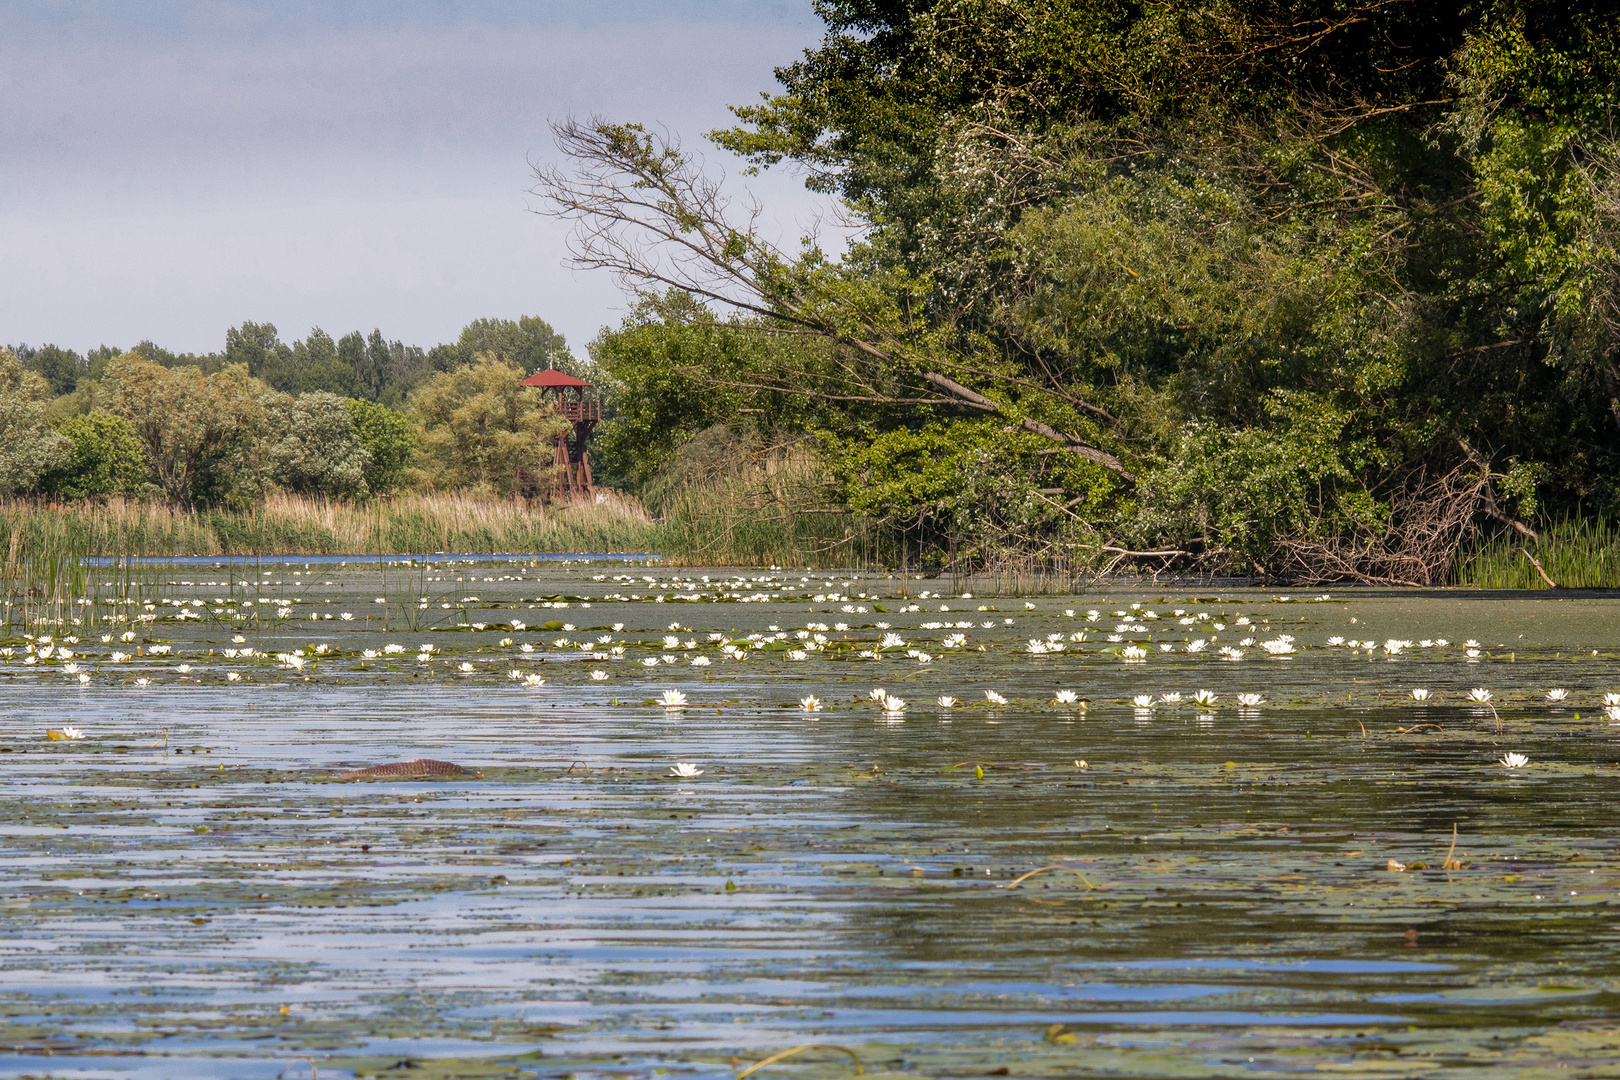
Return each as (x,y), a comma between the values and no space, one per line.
(220,904)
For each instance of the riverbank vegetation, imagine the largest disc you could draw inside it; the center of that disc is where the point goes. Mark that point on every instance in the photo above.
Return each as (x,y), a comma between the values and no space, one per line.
(1304,291)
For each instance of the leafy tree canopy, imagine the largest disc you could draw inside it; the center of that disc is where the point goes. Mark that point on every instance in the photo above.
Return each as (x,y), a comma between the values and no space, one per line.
(1257,283)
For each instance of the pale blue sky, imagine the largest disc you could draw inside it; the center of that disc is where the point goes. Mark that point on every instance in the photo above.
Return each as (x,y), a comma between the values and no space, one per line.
(168,170)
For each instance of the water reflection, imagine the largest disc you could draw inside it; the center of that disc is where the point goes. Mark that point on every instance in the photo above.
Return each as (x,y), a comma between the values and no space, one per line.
(192,869)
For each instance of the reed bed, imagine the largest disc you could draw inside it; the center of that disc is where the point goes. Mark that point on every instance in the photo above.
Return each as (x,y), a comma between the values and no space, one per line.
(1577,553)
(288,525)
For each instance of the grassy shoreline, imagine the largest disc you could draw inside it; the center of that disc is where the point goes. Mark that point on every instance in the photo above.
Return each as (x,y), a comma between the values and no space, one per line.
(699,527)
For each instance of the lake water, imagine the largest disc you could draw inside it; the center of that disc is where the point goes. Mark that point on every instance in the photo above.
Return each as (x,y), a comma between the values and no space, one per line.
(189,890)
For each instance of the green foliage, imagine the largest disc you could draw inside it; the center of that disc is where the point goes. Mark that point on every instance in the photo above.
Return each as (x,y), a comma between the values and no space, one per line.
(388,440)
(107,459)
(529,343)
(29,448)
(479,429)
(1257,269)
(314,448)
(197,432)
(61,368)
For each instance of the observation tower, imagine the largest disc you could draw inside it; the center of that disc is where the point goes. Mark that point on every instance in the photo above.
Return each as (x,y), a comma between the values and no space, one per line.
(567,395)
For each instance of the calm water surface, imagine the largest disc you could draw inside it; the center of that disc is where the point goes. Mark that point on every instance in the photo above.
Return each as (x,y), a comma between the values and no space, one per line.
(190,891)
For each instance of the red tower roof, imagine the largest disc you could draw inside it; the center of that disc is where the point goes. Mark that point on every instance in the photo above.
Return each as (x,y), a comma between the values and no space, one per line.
(552,377)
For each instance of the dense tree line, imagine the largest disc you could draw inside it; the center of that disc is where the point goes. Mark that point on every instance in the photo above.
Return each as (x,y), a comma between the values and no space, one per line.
(354,417)
(1318,287)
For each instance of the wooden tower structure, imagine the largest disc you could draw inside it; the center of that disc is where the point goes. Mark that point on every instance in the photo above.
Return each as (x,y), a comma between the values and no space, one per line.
(567,395)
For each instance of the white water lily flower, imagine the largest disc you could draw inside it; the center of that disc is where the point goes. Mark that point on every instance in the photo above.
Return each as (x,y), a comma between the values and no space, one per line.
(1036,648)
(810,704)
(1470,644)
(699,661)
(685,770)
(393,648)
(83,678)
(1250,701)
(1278,646)
(1196,645)
(161,650)
(234,676)
(424,658)
(894,706)
(1133,652)
(1066,697)
(798,654)
(1143,701)
(1204,697)
(120,657)
(945,701)
(1472,654)
(651,661)
(69,733)
(672,699)
(878,693)
(184,669)
(464,666)
(1172,698)
(129,635)
(533,680)
(1611,699)
(143,682)
(1612,712)
(1514,761)
(994,698)
(892,641)
(347,616)
(514,674)
(1556,696)
(1420,695)
(1165,646)
(598,675)
(1479,696)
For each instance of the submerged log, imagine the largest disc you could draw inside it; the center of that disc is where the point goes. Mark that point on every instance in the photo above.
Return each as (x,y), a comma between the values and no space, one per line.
(404,769)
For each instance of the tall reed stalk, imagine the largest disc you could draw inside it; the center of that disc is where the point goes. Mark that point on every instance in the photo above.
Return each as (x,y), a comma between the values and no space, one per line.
(1577,553)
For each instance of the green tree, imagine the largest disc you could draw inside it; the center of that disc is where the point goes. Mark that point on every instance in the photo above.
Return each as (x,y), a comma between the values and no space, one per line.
(312,447)
(61,368)
(388,439)
(478,428)
(107,458)
(1342,251)
(29,448)
(528,343)
(196,431)
(256,346)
